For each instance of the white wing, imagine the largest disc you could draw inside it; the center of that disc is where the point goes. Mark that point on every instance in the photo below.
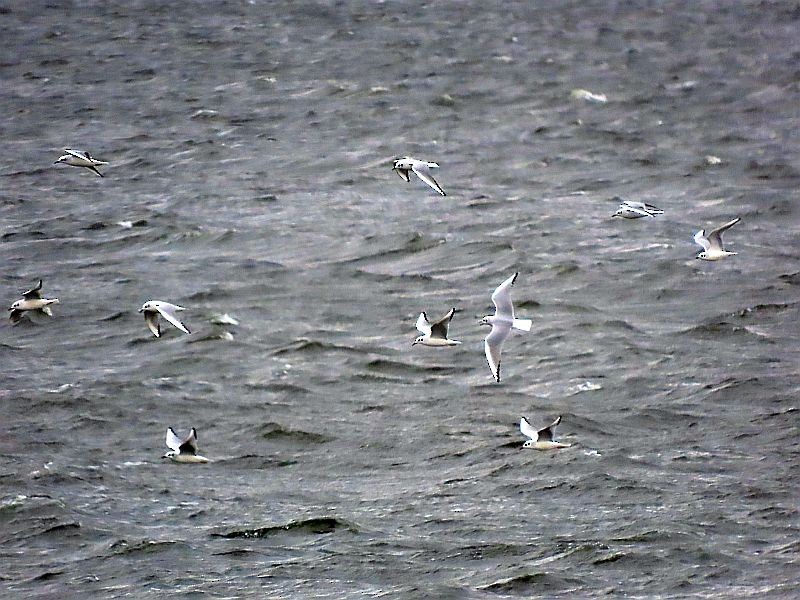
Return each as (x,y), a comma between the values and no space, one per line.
(700,239)
(502,298)
(493,345)
(84,156)
(423,325)
(423,172)
(168,312)
(527,430)
(173,441)
(715,237)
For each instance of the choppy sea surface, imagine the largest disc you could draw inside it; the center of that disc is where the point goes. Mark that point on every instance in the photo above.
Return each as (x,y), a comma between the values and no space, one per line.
(250,148)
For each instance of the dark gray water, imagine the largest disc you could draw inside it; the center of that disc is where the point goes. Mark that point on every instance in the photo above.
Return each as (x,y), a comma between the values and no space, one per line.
(250,148)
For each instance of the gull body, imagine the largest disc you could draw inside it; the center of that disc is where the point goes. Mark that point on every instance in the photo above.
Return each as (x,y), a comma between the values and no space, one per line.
(77,158)
(421,168)
(630,209)
(435,334)
(153,308)
(543,439)
(713,249)
(502,322)
(183,450)
(31,300)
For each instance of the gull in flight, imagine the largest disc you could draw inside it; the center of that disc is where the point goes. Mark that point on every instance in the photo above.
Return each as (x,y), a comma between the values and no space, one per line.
(434,334)
(712,243)
(31,300)
(502,323)
(81,159)
(630,209)
(183,450)
(420,167)
(542,439)
(153,308)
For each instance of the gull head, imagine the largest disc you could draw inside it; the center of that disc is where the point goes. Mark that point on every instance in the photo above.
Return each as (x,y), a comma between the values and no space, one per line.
(487,320)
(63,158)
(419,340)
(702,255)
(170,454)
(528,444)
(16,305)
(148,306)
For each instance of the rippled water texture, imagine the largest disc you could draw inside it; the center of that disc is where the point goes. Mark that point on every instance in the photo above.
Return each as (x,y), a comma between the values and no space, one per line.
(250,149)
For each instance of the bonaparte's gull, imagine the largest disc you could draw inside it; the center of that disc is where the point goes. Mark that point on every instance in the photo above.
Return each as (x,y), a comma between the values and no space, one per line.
(76,158)
(502,322)
(153,308)
(712,243)
(420,167)
(183,450)
(434,334)
(543,439)
(31,300)
(630,209)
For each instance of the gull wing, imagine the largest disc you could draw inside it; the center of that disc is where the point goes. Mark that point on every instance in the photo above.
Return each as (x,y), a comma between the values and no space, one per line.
(715,237)
(439,329)
(648,208)
(189,445)
(502,298)
(700,239)
(77,154)
(546,433)
(173,441)
(423,325)
(168,312)
(151,318)
(15,316)
(403,174)
(34,292)
(423,172)
(93,168)
(527,430)
(493,345)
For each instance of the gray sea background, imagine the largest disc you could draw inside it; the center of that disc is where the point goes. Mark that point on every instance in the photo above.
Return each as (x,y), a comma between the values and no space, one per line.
(250,148)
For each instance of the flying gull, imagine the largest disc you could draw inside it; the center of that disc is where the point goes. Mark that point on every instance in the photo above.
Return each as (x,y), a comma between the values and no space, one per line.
(153,308)
(420,167)
(434,334)
(712,243)
(183,450)
(543,439)
(502,323)
(630,209)
(31,300)
(77,158)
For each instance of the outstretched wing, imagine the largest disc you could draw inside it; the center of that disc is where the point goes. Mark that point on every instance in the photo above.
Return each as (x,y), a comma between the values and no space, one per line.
(715,237)
(403,174)
(189,445)
(33,293)
(151,318)
(423,171)
(168,312)
(493,345)
(439,329)
(527,430)
(422,324)
(501,298)
(173,441)
(547,433)
(700,239)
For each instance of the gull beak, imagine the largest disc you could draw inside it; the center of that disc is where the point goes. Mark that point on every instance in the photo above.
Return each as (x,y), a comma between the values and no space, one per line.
(140,310)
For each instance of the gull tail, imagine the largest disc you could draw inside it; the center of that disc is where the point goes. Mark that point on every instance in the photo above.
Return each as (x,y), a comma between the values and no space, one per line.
(522,324)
